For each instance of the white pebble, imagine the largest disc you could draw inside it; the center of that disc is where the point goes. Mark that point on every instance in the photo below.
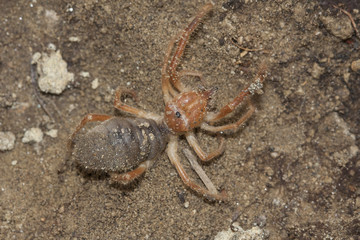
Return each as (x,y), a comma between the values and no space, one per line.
(52,133)
(274,154)
(14,162)
(52,69)
(74,39)
(33,135)
(7,141)
(84,74)
(95,83)
(51,46)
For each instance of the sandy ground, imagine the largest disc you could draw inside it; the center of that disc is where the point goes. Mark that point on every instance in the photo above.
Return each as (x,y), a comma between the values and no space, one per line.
(292,171)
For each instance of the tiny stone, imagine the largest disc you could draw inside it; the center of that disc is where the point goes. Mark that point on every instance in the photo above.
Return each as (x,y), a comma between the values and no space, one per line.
(274,154)
(317,71)
(14,162)
(35,58)
(33,135)
(108,98)
(51,46)
(95,83)
(71,107)
(243,54)
(84,74)
(235,226)
(74,39)
(7,141)
(186,204)
(52,133)
(355,65)
(61,209)
(300,91)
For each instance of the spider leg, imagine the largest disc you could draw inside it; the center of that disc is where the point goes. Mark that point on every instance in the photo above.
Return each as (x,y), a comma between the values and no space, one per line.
(170,76)
(125,178)
(194,73)
(200,172)
(118,104)
(232,126)
(168,90)
(184,38)
(193,142)
(174,158)
(250,90)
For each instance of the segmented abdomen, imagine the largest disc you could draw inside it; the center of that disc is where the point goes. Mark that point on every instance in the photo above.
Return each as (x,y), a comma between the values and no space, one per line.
(120,144)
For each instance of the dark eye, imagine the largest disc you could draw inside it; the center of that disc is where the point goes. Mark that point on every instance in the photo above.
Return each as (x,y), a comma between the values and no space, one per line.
(177,114)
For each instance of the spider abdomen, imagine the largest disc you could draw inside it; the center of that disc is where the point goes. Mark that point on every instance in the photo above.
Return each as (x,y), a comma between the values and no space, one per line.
(120,144)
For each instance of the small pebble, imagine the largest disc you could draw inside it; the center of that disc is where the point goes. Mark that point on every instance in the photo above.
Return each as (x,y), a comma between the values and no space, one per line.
(355,66)
(74,39)
(186,204)
(95,83)
(52,69)
(317,71)
(33,135)
(52,133)
(51,46)
(14,162)
(274,154)
(84,74)
(7,141)
(61,209)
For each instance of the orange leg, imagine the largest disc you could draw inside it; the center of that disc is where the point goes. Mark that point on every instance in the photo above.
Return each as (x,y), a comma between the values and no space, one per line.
(169,75)
(126,178)
(233,126)
(190,137)
(193,73)
(250,90)
(200,172)
(174,78)
(118,104)
(165,84)
(174,158)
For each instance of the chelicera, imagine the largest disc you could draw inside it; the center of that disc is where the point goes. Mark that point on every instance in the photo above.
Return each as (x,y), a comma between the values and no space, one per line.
(126,147)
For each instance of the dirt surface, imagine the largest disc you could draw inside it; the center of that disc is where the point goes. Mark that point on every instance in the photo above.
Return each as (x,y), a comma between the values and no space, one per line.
(293,170)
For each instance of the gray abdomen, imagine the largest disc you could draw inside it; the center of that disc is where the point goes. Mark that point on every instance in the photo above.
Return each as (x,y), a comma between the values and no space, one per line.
(120,144)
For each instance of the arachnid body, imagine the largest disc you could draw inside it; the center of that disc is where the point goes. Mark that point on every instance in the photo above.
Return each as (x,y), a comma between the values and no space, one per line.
(126,147)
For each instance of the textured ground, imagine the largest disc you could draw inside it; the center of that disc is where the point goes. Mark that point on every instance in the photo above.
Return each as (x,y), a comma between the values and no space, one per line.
(293,170)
